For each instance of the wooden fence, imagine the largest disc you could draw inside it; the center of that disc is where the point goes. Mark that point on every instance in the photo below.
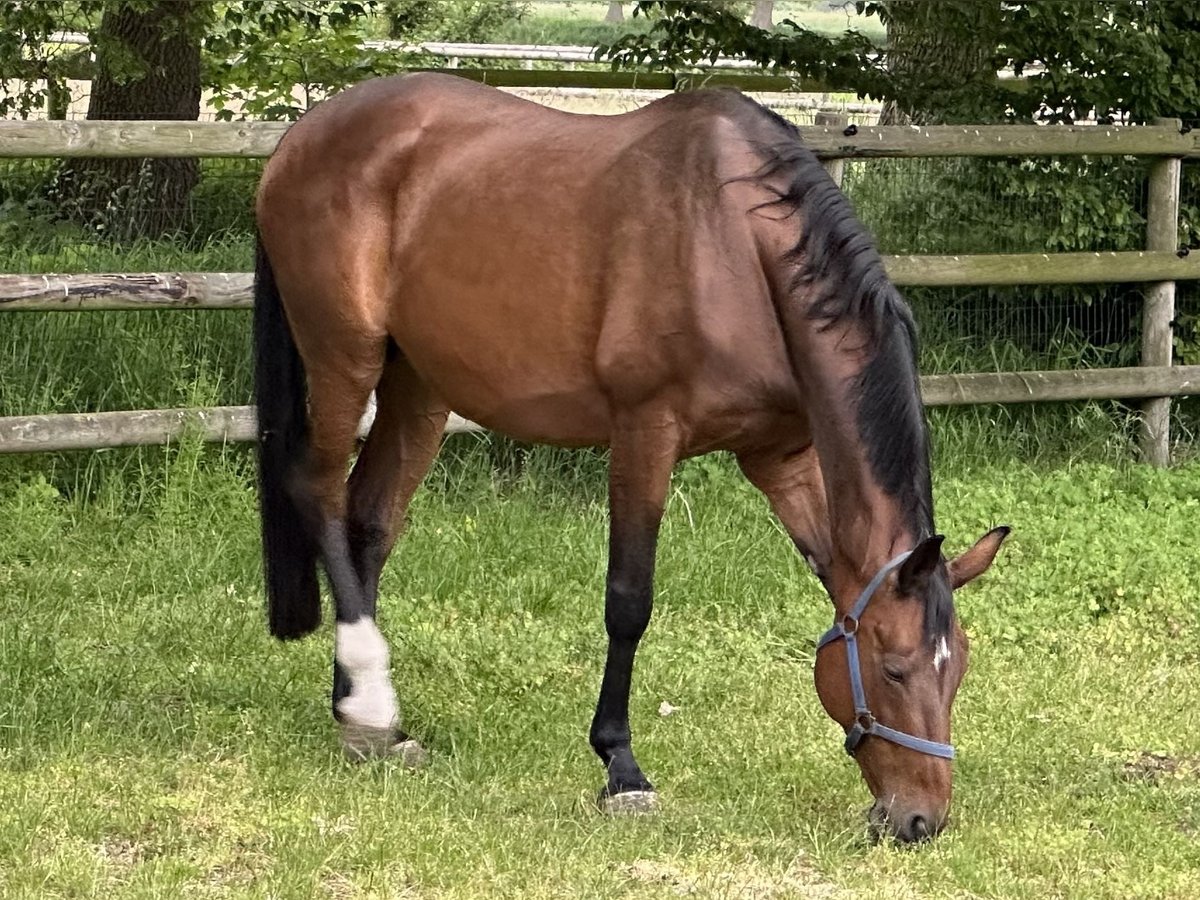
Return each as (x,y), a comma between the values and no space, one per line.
(1160,266)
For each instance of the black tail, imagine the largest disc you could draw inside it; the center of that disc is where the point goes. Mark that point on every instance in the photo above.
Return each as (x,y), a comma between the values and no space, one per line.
(289,551)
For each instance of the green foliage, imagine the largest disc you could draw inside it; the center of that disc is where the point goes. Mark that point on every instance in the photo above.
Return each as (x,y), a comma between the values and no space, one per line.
(33,224)
(1027,204)
(255,52)
(266,59)
(694,33)
(272,60)
(27,48)
(1014,206)
(1131,60)
(465,21)
(33,67)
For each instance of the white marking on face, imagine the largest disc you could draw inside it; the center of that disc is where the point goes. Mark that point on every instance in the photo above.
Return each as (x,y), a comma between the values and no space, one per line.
(361,650)
(941,654)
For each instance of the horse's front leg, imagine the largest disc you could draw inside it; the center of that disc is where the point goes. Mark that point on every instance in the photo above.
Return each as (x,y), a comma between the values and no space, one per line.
(792,482)
(643,454)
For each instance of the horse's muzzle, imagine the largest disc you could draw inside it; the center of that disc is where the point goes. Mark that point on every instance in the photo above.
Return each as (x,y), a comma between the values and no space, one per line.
(907,827)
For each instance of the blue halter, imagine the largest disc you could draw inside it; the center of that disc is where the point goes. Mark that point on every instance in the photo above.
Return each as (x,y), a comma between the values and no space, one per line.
(864,722)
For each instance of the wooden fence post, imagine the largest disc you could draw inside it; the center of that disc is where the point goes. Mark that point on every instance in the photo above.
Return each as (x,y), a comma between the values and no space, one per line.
(1162,233)
(835,167)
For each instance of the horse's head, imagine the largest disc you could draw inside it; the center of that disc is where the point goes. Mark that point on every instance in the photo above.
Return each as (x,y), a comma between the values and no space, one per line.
(897,644)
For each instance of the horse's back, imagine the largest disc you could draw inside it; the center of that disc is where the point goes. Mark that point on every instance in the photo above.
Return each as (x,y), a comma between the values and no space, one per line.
(536,267)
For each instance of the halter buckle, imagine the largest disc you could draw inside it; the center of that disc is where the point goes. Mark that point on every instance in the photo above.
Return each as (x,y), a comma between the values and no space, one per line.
(858,731)
(849,625)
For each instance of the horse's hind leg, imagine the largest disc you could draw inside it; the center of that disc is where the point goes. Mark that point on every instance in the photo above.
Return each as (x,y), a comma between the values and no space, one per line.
(643,453)
(402,444)
(343,364)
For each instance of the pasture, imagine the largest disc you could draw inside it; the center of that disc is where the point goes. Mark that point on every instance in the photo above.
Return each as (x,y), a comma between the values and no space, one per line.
(155,742)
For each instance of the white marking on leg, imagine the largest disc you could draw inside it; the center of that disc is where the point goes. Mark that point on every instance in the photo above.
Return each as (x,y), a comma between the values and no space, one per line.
(363,653)
(368,418)
(941,654)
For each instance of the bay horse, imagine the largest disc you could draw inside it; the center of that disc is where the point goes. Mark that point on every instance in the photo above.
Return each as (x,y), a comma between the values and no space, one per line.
(671,281)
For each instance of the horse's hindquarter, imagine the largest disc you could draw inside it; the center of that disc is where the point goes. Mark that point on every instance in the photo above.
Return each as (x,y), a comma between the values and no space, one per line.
(544,269)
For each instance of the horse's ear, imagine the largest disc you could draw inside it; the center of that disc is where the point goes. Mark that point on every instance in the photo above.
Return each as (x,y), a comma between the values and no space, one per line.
(914,572)
(975,561)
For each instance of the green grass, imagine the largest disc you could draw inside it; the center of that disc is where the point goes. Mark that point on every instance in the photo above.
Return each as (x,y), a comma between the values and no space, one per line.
(155,742)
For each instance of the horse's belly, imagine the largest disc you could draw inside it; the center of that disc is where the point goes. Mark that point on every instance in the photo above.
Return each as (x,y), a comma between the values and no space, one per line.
(506,365)
(569,418)
(563,419)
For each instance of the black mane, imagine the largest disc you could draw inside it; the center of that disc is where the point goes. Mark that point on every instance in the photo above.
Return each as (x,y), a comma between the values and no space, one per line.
(841,276)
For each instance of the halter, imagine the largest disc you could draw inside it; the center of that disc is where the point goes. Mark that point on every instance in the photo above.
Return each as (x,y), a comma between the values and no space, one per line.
(864,722)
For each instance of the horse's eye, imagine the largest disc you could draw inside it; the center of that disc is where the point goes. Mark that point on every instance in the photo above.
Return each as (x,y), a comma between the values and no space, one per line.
(893,674)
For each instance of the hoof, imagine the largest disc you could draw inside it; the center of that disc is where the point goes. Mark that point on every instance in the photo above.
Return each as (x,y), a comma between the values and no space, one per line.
(629,803)
(361,744)
(410,753)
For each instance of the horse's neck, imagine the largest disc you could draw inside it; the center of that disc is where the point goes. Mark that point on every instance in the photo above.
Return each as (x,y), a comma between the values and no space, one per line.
(867,524)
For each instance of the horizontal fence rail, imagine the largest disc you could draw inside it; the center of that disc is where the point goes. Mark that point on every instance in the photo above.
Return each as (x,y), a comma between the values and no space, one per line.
(142,290)
(1132,383)
(565,53)
(144,427)
(236,424)
(59,139)
(235,290)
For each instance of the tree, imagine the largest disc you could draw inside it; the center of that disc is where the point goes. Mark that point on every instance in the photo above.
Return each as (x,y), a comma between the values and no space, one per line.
(275,60)
(147,67)
(615,12)
(152,59)
(941,59)
(764,14)
(35,68)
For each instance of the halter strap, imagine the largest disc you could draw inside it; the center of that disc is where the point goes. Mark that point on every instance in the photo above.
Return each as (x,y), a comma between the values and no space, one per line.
(865,724)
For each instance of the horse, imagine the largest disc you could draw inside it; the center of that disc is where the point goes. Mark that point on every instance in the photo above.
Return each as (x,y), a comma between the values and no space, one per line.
(675,280)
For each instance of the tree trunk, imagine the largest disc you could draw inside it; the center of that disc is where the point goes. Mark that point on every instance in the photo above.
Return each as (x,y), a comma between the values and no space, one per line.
(764,14)
(938,54)
(615,13)
(147,67)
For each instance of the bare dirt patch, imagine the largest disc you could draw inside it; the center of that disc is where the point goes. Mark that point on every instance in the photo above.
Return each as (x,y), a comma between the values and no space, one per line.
(121,851)
(1155,767)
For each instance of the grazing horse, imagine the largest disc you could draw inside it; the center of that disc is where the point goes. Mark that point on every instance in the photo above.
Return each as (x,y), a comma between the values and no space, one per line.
(675,280)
